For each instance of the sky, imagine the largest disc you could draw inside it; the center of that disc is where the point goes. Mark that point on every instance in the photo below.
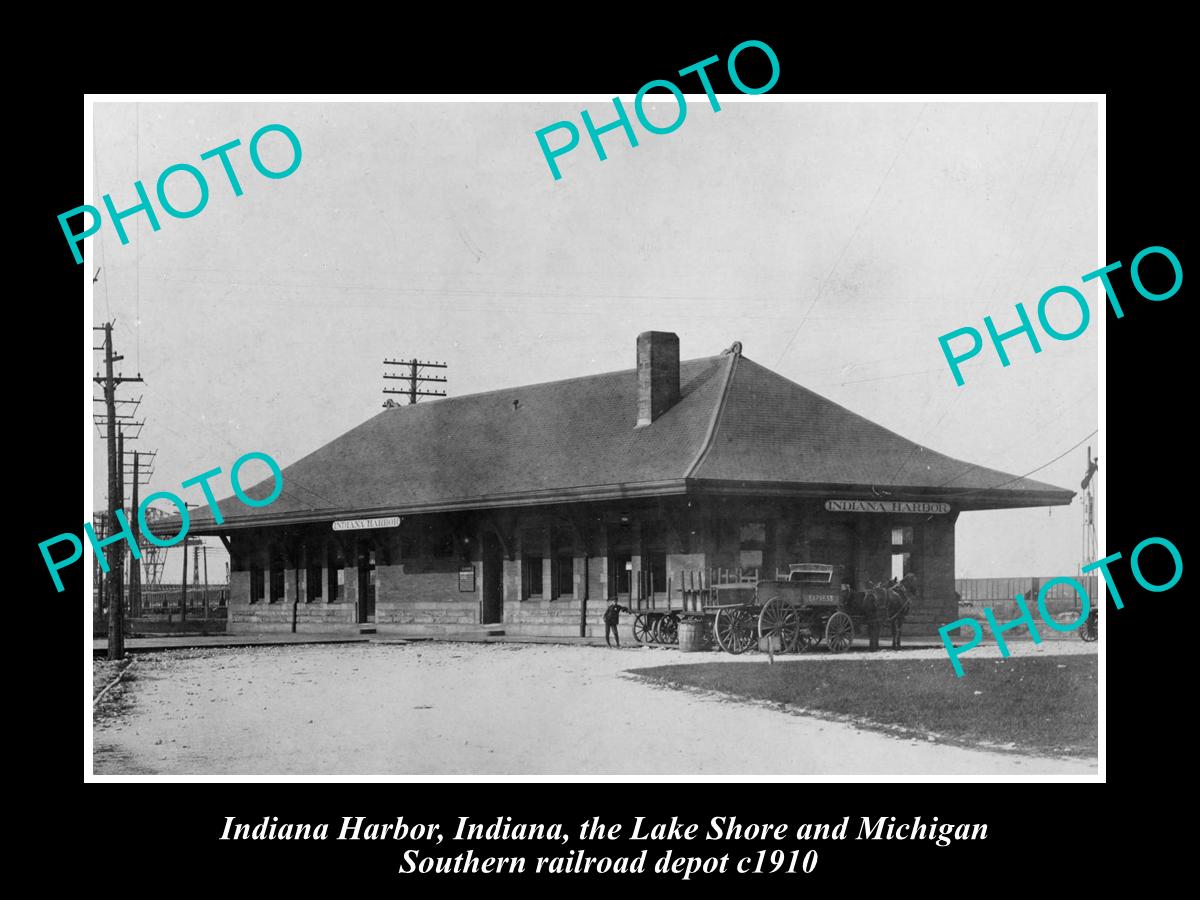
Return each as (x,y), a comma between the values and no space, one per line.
(836,241)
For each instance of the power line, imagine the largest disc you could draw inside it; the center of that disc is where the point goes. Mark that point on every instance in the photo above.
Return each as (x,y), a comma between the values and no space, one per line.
(1019,477)
(107,306)
(116,492)
(866,212)
(997,282)
(137,250)
(291,481)
(415,379)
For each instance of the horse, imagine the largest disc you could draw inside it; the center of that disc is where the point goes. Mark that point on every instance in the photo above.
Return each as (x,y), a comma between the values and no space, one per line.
(861,605)
(891,602)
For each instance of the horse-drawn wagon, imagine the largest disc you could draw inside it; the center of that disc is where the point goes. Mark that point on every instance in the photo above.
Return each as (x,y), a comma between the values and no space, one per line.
(796,611)
(787,615)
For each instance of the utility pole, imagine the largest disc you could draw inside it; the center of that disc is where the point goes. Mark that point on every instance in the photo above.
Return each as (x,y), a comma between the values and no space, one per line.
(119,563)
(135,569)
(99,524)
(135,565)
(196,572)
(109,382)
(205,580)
(415,379)
(183,597)
(1088,486)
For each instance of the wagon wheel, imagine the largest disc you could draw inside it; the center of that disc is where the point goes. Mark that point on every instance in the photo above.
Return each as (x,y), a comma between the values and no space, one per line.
(720,629)
(779,618)
(642,632)
(839,632)
(1091,628)
(668,629)
(734,629)
(743,629)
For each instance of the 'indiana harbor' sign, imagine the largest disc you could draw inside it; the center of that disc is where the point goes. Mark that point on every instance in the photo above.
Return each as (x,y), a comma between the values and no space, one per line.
(887,506)
(360,524)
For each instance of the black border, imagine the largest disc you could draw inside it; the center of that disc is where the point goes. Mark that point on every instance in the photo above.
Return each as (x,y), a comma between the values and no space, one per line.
(1034,830)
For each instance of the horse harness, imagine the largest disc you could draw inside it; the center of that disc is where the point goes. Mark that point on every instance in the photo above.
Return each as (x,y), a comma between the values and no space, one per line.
(900,591)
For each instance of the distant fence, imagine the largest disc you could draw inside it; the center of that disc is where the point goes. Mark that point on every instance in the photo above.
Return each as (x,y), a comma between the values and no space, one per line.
(994,590)
(164,600)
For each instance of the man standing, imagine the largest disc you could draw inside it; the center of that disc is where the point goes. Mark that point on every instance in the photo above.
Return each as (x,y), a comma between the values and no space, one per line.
(873,600)
(612,616)
(855,602)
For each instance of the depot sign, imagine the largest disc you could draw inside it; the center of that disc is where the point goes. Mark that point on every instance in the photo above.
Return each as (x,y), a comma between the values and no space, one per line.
(887,506)
(363,524)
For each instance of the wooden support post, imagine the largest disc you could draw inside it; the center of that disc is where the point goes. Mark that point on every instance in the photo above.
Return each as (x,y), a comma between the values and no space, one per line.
(583,605)
(183,595)
(206,581)
(135,566)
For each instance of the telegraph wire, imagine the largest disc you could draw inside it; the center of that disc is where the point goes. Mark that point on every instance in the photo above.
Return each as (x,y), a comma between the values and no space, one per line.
(862,220)
(1019,477)
(137,250)
(1034,196)
(107,306)
(292,481)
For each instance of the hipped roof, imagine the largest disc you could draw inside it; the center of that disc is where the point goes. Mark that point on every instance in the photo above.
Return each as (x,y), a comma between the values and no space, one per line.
(737,428)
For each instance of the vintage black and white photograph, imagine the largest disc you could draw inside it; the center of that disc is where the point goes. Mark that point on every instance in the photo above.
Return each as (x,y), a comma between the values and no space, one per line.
(475,438)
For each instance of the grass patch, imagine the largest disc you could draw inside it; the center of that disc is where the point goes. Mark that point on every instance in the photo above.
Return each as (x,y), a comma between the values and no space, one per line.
(1042,705)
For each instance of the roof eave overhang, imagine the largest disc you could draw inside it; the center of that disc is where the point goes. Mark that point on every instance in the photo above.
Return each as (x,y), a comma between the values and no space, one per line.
(963,500)
(974,499)
(496,501)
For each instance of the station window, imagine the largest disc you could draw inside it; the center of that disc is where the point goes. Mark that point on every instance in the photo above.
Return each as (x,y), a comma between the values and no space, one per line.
(623,566)
(564,577)
(752,535)
(335,576)
(533,577)
(366,565)
(276,579)
(313,582)
(658,571)
(256,583)
(902,543)
(562,574)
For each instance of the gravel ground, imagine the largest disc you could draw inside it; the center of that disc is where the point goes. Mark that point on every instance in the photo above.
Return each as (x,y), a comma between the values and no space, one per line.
(492,709)
(103,672)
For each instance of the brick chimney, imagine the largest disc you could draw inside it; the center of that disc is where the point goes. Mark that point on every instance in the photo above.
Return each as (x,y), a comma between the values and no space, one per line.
(658,374)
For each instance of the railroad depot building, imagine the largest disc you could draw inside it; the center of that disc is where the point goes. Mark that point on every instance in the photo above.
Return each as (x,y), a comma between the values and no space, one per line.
(525,509)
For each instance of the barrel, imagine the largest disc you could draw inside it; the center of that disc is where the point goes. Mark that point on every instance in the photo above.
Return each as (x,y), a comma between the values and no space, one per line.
(691,635)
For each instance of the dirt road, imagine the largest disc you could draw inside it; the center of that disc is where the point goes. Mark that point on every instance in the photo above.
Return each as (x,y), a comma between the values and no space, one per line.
(487,709)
